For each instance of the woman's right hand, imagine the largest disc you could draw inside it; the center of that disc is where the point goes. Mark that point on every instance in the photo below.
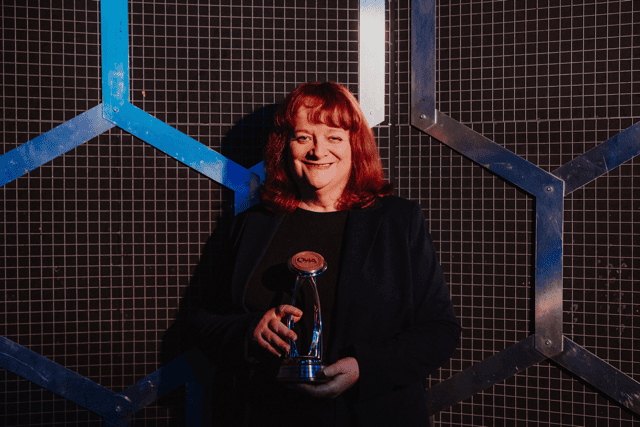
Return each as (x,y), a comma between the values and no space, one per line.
(273,335)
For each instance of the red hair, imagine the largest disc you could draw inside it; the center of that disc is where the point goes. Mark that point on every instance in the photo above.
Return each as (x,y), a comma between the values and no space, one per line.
(333,105)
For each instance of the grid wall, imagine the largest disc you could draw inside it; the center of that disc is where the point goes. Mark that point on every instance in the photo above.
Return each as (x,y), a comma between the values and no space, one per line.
(101,248)
(548,80)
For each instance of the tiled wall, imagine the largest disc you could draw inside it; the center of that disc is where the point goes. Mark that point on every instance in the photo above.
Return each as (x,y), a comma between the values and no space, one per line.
(98,246)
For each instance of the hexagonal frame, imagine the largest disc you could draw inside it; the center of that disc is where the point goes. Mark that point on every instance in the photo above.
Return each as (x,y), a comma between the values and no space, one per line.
(117,110)
(549,190)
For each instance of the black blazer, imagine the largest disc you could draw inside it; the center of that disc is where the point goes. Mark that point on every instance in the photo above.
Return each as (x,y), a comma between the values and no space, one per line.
(394,311)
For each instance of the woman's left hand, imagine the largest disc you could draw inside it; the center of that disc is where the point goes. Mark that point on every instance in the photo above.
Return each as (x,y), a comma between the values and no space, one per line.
(344,374)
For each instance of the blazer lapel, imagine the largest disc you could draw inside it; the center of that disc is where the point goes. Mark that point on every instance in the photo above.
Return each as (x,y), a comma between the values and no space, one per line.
(360,234)
(259,229)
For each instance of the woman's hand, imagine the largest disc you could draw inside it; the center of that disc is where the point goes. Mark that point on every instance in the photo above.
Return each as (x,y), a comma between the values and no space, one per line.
(273,335)
(344,374)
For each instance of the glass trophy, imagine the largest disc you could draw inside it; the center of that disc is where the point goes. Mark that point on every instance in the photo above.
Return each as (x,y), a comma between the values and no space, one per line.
(298,367)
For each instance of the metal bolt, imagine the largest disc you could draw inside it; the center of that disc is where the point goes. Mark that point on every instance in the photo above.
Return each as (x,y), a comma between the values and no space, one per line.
(423,116)
(118,408)
(549,189)
(548,342)
(115,109)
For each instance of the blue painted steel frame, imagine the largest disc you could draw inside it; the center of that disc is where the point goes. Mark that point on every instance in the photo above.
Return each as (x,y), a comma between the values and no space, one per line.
(60,380)
(423,63)
(116,110)
(49,145)
(548,190)
(600,159)
(192,368)
(114,19)
(190,152)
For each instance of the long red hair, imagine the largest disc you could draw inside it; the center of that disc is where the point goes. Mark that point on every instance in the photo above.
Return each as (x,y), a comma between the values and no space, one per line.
(333,105)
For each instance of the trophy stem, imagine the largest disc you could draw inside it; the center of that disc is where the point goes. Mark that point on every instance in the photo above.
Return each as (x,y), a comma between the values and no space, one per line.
(293,349)
(315,350)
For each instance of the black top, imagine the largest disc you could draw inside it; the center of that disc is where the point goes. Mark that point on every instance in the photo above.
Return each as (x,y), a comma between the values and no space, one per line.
(272,282)
(393,315)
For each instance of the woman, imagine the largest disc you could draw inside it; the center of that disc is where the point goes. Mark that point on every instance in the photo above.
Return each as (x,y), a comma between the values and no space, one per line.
(388,321)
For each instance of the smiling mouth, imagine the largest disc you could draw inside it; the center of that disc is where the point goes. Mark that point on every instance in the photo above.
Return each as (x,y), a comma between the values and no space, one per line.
(318,165)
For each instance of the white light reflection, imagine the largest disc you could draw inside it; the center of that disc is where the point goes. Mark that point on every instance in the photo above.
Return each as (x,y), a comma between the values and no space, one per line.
(372,60)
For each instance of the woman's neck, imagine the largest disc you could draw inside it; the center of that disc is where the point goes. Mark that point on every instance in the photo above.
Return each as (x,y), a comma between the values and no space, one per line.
(320,200)
(316,205)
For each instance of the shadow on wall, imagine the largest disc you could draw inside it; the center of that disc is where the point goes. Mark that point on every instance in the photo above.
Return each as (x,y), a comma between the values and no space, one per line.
(208,286)
(246,139)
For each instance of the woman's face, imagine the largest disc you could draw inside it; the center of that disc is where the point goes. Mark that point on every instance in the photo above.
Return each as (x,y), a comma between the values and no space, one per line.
(320,157)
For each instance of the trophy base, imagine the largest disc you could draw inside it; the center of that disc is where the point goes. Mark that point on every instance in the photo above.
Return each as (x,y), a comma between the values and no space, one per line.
(302,371)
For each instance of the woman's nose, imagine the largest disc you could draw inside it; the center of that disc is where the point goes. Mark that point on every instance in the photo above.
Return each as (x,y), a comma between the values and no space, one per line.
(319,148)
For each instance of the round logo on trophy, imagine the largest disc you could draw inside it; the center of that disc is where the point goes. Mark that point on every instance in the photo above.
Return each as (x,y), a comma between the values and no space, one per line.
(307,263)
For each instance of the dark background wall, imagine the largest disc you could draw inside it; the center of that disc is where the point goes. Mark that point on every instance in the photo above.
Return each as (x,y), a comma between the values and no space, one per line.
(98,246)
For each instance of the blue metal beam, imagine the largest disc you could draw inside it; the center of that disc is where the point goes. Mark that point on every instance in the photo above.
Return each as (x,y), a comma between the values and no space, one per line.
(600,159)
(600,374)
(192,366)
(114,20)
(483,375)
(187,150)
(62,381)
(49,145)
(549,192)
(423,63)
(502,162)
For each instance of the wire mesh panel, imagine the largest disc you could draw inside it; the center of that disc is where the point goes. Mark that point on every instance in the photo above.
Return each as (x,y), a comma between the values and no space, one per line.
(103,248)
(100,246)
(548,81)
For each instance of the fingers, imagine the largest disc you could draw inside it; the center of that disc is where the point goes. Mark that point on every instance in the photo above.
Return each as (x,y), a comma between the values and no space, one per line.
(272,343)
(286,310)
(282,330)
(271,334)
(344,374)
(347,366)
